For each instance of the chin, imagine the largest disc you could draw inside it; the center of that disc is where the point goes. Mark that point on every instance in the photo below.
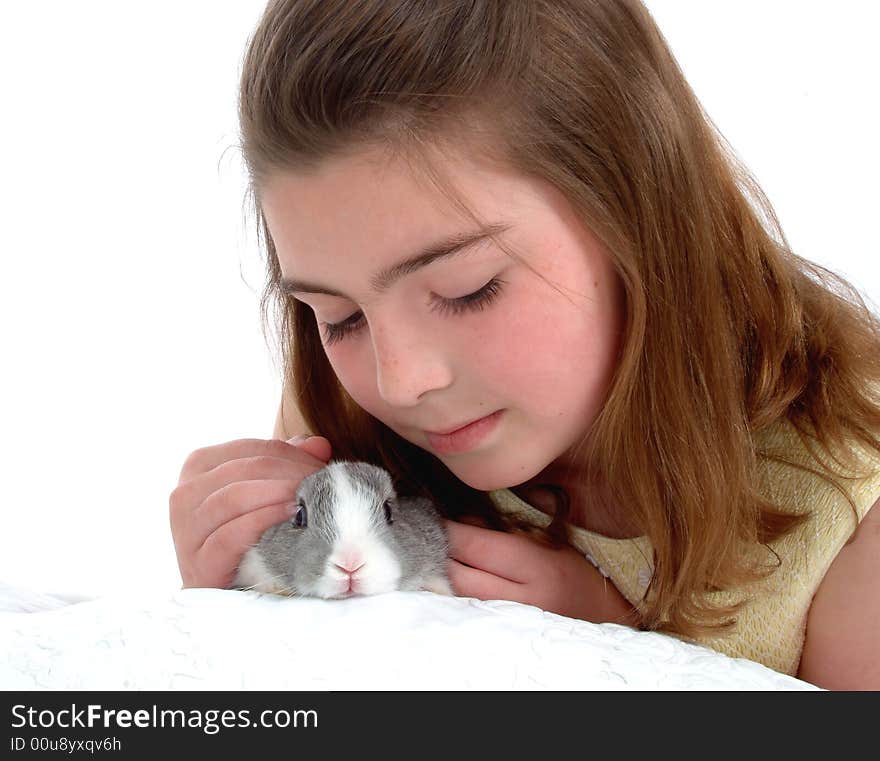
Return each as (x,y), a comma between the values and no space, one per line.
(484,479)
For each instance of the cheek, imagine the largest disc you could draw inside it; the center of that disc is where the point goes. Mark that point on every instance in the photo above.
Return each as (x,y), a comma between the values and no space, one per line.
(352,361)
(557,356)
(535,323)
(347,361)
(500,349)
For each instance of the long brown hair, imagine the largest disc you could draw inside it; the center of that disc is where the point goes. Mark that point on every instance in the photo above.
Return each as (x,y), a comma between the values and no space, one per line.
(727,330)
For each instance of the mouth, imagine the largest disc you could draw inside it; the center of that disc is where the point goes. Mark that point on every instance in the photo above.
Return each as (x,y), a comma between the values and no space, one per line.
(464,437)
(445,431)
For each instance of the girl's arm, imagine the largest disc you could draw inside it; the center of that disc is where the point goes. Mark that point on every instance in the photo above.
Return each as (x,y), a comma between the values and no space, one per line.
(842,647)
(497,565)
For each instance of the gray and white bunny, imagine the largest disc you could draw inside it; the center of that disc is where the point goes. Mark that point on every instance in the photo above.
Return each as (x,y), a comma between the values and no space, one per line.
(349,535)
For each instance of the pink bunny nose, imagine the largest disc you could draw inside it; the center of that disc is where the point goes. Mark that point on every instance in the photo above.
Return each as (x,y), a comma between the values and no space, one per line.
(350,566)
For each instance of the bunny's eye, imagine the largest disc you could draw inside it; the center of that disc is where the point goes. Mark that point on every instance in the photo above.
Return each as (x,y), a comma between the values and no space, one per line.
(300,517)
(387,507)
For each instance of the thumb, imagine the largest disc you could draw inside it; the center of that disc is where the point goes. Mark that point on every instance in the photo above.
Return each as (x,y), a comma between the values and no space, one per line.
(316,446)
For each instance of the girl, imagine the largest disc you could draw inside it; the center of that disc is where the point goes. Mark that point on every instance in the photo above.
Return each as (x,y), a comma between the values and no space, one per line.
(515,264)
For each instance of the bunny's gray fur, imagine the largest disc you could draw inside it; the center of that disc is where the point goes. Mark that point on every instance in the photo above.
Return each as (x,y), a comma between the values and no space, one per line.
(346,527)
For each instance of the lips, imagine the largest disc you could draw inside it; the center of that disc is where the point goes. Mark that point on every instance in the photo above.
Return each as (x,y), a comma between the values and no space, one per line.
(464,438)
(454,428)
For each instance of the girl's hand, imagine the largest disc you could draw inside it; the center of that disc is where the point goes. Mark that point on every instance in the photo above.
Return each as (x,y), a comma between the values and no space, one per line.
(229,494)
(495,565)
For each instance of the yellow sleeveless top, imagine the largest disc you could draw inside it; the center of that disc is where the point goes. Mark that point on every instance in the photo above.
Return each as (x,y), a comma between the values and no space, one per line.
(771,625)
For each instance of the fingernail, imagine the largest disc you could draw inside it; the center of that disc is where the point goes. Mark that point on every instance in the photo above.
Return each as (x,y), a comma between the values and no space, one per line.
(299,438)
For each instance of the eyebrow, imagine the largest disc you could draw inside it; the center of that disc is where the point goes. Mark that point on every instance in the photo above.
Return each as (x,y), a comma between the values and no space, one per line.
(381,281)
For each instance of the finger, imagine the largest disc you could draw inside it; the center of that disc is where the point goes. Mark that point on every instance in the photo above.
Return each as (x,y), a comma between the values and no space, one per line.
(316,446)
(218,558)
(206,459)
(473,582)
(236,500)
(498,552)
(195,491)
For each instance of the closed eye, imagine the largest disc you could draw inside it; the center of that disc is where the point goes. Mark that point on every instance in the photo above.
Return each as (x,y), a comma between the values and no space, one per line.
(477,301)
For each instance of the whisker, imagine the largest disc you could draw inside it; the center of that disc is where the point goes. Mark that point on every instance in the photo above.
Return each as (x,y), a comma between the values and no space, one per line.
(273,578)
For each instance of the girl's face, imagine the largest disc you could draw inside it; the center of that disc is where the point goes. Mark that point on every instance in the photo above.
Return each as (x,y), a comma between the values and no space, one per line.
(466,335)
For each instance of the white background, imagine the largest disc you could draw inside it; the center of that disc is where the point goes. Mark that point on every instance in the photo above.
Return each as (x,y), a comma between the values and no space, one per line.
(131,277)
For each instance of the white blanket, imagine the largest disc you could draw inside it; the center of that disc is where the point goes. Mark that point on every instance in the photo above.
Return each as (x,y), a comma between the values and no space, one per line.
(207,639)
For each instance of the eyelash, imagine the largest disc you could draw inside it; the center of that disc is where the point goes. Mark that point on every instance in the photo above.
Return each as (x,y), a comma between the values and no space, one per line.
(477,301)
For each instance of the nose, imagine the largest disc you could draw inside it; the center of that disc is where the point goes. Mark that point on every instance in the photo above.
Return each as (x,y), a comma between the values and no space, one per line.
(410,362)
(350,566)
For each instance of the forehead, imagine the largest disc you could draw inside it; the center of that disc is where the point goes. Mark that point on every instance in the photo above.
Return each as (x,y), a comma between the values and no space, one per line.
(350,478)
(362,209)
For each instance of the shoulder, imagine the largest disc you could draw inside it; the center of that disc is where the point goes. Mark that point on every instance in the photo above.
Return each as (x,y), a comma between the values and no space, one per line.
(842,646)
